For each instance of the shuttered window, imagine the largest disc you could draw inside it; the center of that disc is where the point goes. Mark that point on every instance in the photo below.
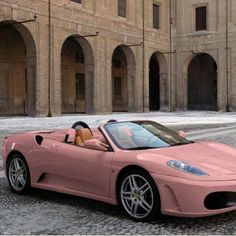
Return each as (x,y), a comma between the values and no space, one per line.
(122,8)
(156,16)
(77,1)
(201,18)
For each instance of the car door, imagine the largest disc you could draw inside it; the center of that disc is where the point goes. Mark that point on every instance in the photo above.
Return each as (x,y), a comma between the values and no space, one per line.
(78,168)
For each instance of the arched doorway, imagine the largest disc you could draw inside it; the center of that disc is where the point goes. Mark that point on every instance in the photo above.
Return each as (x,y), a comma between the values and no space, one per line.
(77,72)
(154,84)
(123,74)
(17,70)
(158,82)
(202,83)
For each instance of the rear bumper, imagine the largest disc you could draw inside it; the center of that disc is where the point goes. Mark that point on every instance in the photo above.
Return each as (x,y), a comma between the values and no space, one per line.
(182,197)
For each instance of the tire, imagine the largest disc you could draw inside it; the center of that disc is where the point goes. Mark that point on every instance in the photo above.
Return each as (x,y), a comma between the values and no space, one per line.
(138,196)
(18,174)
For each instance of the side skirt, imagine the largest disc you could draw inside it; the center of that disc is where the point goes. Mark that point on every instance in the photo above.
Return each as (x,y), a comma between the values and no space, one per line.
(75,193)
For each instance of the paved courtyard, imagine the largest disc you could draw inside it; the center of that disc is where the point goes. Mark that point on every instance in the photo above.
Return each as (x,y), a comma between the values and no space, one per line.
(44,212)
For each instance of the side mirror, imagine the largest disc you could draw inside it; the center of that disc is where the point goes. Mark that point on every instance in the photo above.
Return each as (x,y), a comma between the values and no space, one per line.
(181,133)
(96,144)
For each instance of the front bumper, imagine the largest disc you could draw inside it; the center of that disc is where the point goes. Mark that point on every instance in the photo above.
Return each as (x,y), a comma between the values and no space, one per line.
(182,197)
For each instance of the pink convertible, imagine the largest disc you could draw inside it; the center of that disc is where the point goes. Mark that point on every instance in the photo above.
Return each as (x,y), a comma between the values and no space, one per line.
(141,165)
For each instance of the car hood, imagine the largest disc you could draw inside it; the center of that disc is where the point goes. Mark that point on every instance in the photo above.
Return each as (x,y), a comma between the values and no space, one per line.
(214,158)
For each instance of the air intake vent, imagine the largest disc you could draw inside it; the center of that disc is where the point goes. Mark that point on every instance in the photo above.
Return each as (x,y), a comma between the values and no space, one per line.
(220,200)
(39,139)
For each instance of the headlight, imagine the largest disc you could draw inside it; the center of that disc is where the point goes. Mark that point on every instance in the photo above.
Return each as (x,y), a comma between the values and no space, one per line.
(182,166)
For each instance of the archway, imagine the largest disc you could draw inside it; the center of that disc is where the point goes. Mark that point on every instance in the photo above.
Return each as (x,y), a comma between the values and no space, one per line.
(123,74)
(202,83)
(154,84)
(17,70)
(77,73)
(158,84)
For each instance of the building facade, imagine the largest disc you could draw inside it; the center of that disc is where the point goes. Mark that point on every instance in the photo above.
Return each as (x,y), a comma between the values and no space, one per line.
(87,56)
(204,35)
(80,56)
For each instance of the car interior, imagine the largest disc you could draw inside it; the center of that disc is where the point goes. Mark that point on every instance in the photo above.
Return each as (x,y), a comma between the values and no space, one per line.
(80,135)
(83,135)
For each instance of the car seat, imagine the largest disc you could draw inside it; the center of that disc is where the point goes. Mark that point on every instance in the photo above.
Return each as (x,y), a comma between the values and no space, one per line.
(83,134)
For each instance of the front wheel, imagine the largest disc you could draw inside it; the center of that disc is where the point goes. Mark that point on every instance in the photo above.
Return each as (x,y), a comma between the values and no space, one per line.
(18,174)
(139,196)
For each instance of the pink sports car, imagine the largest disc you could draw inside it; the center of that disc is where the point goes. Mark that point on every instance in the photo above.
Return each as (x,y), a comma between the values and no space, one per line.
(143,166)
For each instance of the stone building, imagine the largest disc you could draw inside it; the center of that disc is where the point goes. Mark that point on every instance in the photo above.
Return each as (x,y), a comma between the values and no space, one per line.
(58,63)
(90,56)
(204,34)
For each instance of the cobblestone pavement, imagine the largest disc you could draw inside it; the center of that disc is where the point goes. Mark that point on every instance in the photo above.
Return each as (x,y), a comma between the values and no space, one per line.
(44,212)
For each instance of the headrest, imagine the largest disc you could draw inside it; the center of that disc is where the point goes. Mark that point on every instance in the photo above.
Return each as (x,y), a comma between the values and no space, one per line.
(85,134)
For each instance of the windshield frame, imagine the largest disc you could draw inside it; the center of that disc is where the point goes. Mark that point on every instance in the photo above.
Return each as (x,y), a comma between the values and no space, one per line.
(139,122)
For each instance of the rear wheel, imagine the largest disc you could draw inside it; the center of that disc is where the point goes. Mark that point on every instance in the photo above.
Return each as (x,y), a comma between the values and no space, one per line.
(139,196)
(18,174)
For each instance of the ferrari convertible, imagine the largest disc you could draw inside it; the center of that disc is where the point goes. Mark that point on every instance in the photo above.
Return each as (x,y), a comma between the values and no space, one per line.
(142,166)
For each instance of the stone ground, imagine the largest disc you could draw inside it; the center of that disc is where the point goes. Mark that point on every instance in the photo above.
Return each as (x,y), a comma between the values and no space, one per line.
(44,212)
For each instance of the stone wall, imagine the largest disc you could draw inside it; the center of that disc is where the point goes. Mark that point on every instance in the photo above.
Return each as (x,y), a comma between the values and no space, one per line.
(73,19)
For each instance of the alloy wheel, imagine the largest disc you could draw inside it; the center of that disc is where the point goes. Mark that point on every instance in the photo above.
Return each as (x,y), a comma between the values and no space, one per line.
(137,196)
(17,174)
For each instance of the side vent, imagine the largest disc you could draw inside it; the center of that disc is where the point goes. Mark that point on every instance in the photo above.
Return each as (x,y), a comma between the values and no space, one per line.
(39,139)
(42,176)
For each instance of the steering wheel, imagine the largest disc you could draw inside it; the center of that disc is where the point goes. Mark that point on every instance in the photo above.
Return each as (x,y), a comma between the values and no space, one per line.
(80,124)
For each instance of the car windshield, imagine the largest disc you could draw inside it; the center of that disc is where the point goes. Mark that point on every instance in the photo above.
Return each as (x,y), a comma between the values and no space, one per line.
(140,135)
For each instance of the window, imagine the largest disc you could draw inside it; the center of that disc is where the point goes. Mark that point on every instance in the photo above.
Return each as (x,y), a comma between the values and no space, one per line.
(117,88)
(156,16)
(201,18)
(80,86)
(77,1)
(122,8)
